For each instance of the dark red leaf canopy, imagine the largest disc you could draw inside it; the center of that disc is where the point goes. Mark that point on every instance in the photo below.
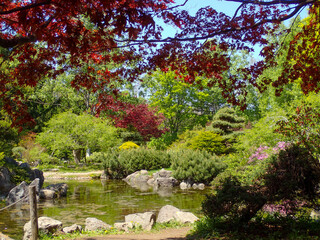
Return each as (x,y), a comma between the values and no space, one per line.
(39,35)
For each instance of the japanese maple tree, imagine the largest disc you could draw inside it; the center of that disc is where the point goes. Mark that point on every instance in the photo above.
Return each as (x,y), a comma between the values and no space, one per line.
(140,118)
(37,38)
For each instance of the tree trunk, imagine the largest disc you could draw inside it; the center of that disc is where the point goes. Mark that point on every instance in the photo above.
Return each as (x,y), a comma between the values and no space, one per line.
(76,155)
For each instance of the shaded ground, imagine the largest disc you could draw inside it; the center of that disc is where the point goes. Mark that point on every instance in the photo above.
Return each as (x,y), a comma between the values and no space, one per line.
(166,234)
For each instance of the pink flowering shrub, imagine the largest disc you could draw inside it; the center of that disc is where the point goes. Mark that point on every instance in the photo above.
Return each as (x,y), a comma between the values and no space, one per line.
(263,152)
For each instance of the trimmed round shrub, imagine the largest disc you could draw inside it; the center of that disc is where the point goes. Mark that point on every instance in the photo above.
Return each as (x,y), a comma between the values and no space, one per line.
(195,166)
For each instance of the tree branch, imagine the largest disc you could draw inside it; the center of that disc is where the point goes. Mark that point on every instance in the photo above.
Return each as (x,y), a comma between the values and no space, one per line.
(30,6)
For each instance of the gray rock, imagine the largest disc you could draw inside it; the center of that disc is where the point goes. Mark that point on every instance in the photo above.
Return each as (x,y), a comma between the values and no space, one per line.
(162,174)
(166,214)
(18,193)
(125,226)
(94,224)
(201,186)
(45,224)
(36,173)
(4,237)
(60,189)
(144,220)
(137,177)
(47,194)
(165,182)
(72,229)
(185,185)
(5,181)
(185,217)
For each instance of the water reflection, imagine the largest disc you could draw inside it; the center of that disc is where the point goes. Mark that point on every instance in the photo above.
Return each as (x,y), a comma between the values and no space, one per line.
(107,200)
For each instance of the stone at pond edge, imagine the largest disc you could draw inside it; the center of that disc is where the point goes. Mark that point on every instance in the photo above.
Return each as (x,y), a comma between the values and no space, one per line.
(94,224)
(4,237)
(124,226)
(60,190)
(47,194)
(185,217)
(73,228)
(165,182)
(45,224)
(145,220)
(166,214)
(5,181)
(18,193)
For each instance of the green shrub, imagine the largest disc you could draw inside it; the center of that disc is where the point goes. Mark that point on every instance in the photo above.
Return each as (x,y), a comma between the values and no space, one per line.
(200,140)
(195,166)
(208,141)
(120,164)
(128,145)
(17,152)
(97,157)
(283,178)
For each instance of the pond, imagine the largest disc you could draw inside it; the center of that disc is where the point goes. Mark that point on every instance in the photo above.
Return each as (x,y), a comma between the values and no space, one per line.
(108,201)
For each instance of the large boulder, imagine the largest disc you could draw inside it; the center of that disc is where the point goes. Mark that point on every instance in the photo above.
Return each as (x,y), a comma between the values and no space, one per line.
(54,191)
(166,214)
(144,220)
(5,181)
(45,224)
(17,193)
(21,191)
(138,177)
(185,217)
(94,224)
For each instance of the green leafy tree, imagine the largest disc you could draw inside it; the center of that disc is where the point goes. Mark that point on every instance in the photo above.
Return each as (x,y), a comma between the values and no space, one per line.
(68,133)
(8,136)
(183,105)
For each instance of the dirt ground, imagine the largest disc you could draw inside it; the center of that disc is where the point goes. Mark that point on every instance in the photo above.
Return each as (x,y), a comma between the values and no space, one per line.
(70,175)
(166,234)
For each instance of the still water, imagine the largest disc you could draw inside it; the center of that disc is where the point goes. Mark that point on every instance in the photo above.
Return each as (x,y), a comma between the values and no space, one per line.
(108,201)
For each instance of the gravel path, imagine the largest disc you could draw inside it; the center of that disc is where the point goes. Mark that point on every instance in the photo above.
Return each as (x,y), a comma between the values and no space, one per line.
(166,234)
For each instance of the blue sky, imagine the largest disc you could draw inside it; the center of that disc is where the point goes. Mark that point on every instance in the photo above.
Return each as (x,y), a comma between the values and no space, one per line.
(226,7)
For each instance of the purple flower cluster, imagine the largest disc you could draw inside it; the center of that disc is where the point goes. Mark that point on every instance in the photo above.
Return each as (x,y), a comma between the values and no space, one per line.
(263,152)
(286,207)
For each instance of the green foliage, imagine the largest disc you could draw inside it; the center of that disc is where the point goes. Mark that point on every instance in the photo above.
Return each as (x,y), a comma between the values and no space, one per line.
(119,164)
(208,141)
(2,162)
(8,136)
(97,157)
(201,140)
(17,152)
(67,131)
(226,121)
(290,175)
(163,142)
(128,145)
(195,166)
(183,105)
(261,134)
(303,128)
(262,228)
